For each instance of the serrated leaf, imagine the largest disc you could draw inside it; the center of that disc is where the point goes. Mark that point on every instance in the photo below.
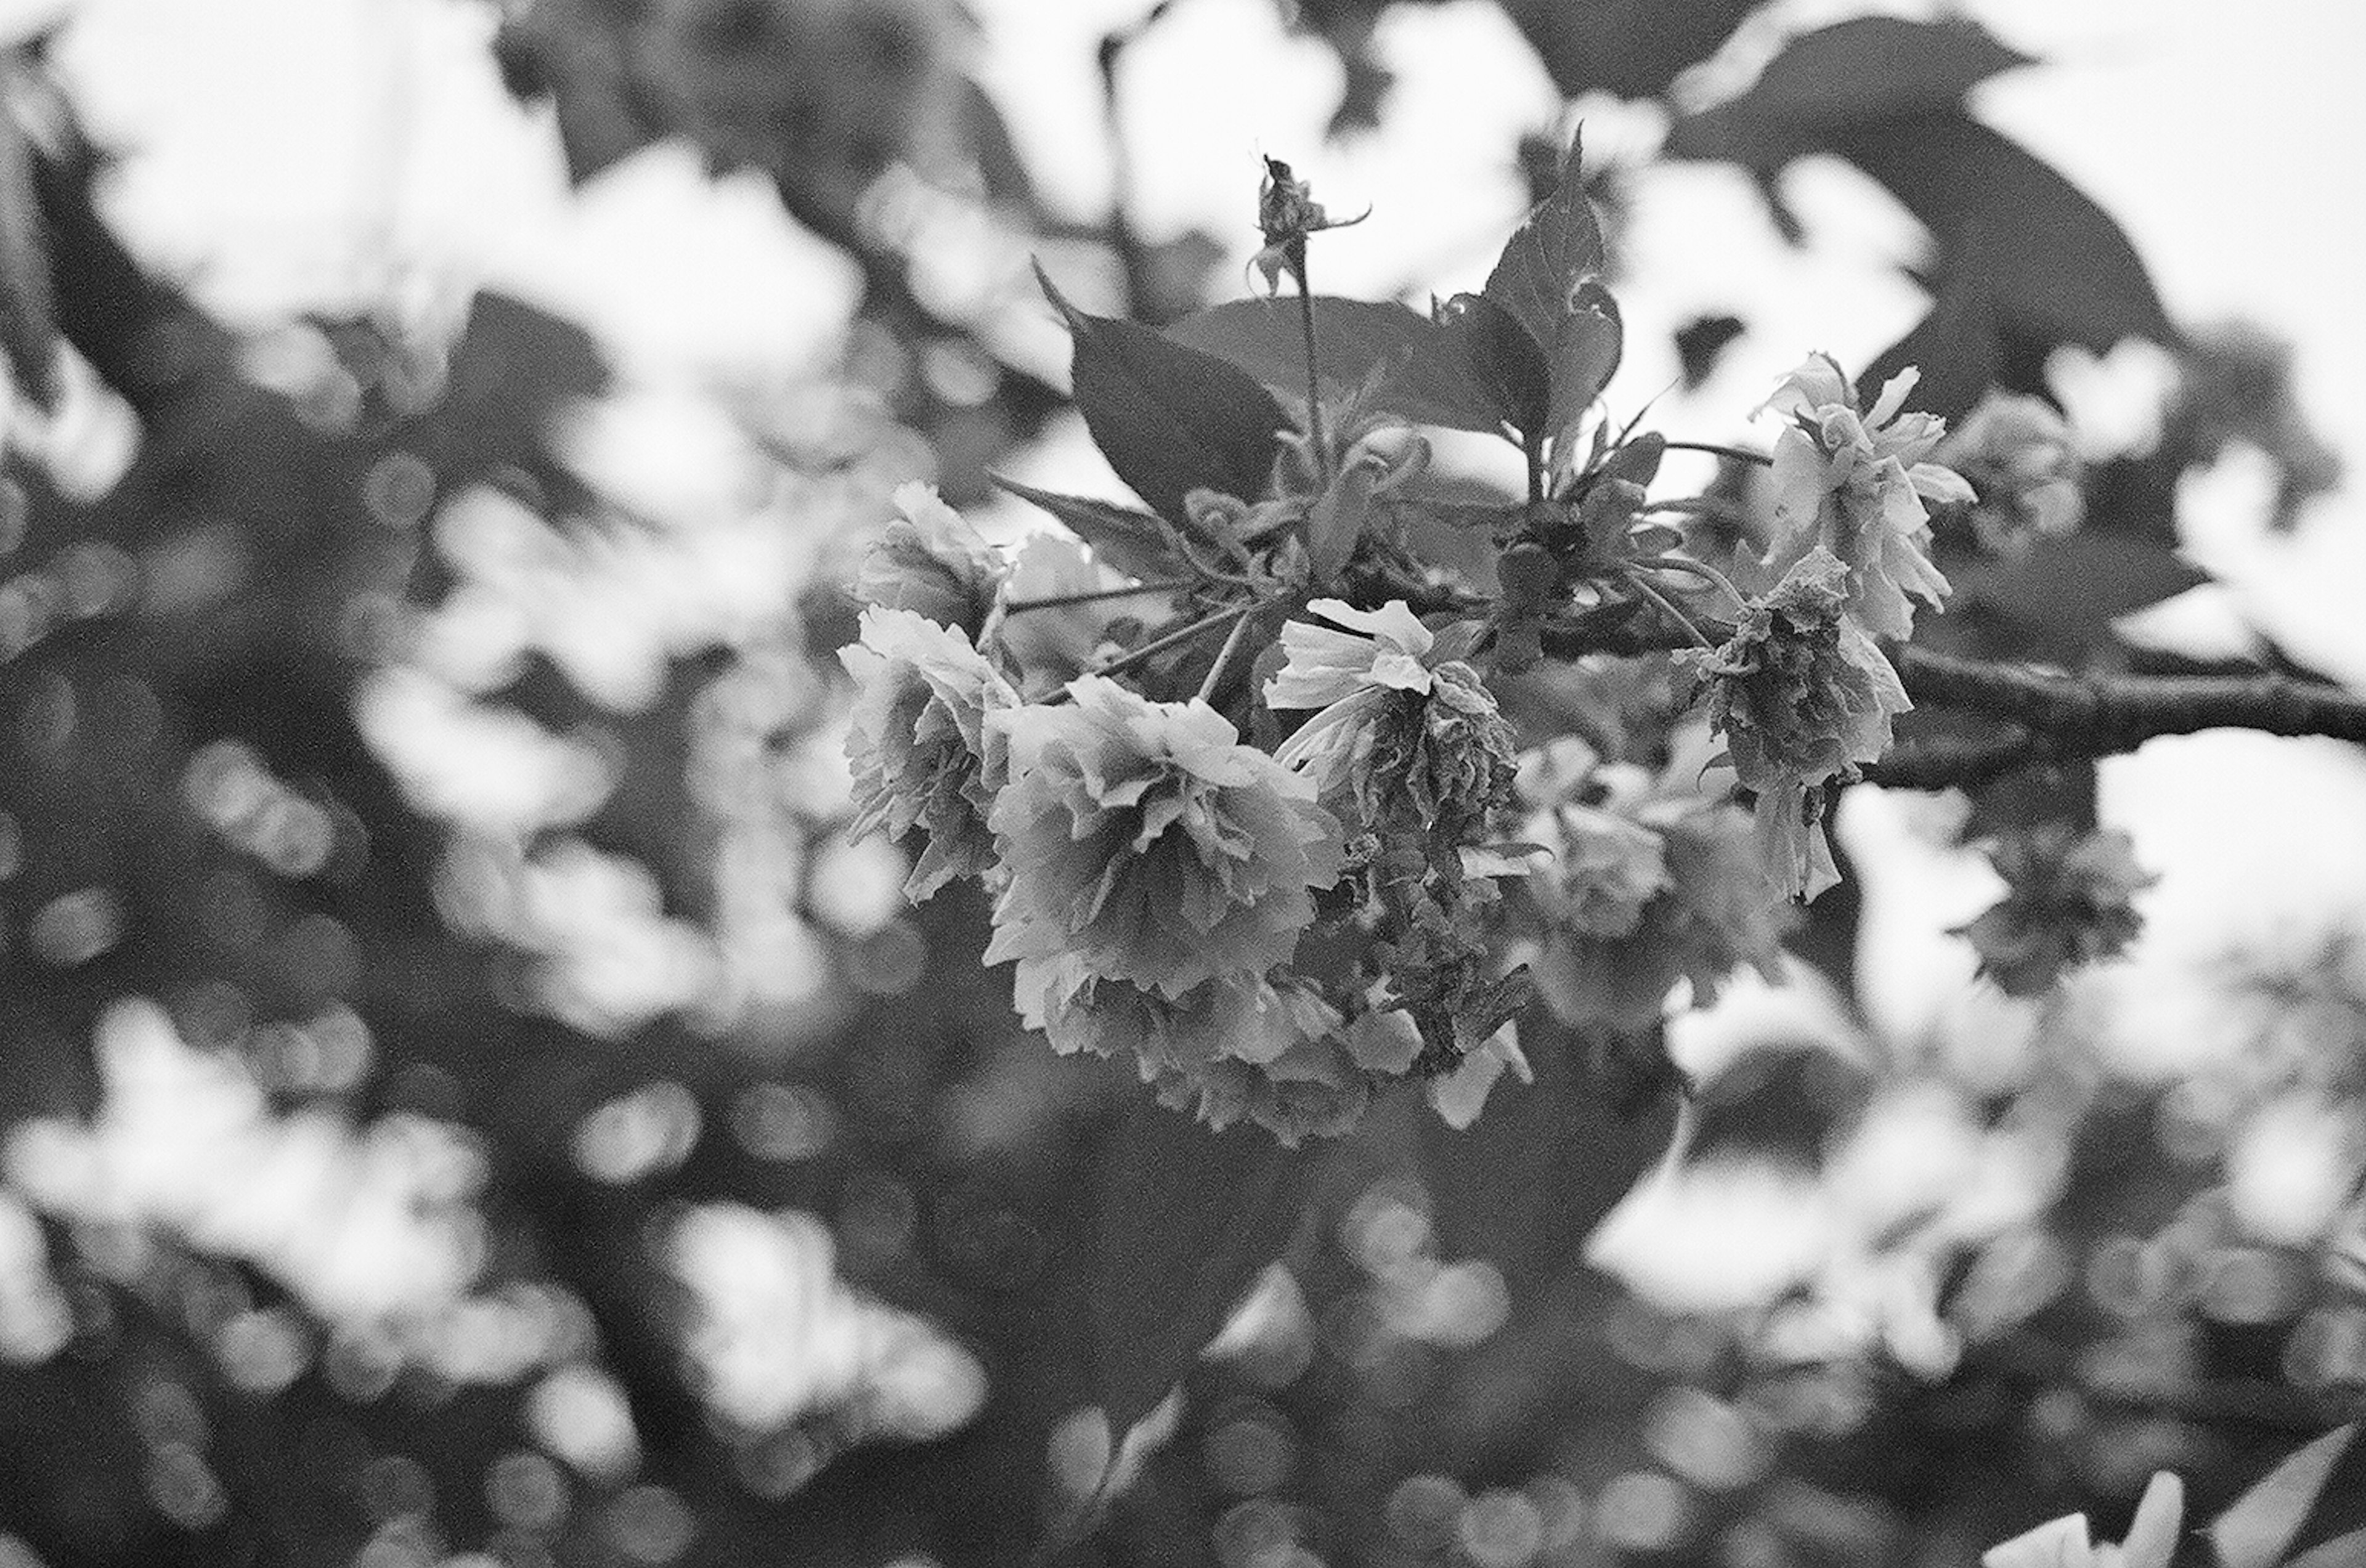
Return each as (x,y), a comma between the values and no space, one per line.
(1632,48)
(1169,419)
(1501,360)
(2058,266)
(1869,68)
(1423,380)
(2267,1521)
(1131,541)
(1588,340)
(1557,245)
(1188,1219)
(1530,1181)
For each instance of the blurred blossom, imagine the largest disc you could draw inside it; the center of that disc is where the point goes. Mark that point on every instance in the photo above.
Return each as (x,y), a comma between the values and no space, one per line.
(649,1131)
(2116,402)
(35,1322)
(488,768)
(612,959)
(779,1338)
(2292,1166)
(2016,453)
(1642,1510)
(366,1226)
(579,1413)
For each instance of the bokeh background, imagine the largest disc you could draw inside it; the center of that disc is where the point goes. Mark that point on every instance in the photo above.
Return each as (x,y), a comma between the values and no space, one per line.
(467,1101)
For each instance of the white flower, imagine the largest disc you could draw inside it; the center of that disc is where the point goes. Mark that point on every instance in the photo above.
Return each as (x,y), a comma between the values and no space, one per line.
(2064,1542)
(1858,485)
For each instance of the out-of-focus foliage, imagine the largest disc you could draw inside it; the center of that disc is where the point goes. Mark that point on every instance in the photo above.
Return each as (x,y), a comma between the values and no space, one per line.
(467,1099)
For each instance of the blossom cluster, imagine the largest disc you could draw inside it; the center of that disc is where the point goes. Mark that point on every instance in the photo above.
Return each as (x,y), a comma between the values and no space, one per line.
(1281,873)
(1800,692)
(1161,885)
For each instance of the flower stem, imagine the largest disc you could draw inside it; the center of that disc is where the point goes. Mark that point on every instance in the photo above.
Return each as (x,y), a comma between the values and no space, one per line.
(1320,447)
(1706,573)
(1058,601)
(1134,658)
(1667,607)
(1207,692)
(1737,454)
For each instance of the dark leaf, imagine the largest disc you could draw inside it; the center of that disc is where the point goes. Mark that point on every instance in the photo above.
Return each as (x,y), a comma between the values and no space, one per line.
(1426,381)
(987,135)
(1169,419)
(2057,265)
(574,53)
(1499,357)
(1587,342)
(1632,48)
(1526,1185)
(1870,68)
(1700,342)
(1131,541)
(1954,346)
(2070,588)
(1188,1219)
(1559,243)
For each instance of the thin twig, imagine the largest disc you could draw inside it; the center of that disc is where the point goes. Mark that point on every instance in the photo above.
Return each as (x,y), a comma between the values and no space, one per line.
(1149,650)
(1058,601)
(1313,377)
(1701,570)
(1737,454)
(1669,608)
(1207,692)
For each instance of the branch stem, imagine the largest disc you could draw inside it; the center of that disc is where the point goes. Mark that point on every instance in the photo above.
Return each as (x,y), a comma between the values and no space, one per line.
(1669,608)
(1736,454)
(1134,658)
(1059,600)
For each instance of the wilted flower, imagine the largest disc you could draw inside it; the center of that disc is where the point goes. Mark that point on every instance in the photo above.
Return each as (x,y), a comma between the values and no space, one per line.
(932,562)
(2069,899)
(2016,452)
(1802,697)
(922,752)
(2064,1543)
(1857,485)
(1145,840)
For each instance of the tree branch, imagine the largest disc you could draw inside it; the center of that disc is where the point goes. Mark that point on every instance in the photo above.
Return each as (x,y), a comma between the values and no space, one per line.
(2061,717)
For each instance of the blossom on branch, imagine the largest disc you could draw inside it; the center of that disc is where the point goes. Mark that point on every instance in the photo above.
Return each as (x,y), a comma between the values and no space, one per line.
(1858,485)
(931,561)
(922,752)
(1145,840)
(1802,697)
